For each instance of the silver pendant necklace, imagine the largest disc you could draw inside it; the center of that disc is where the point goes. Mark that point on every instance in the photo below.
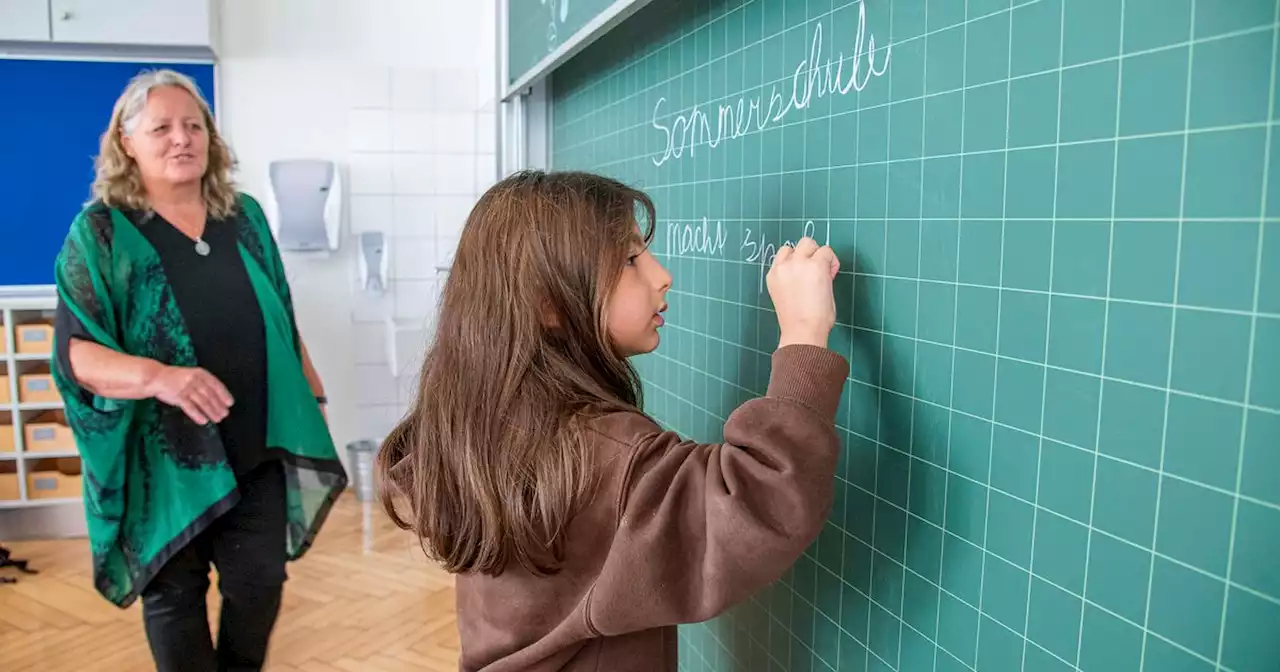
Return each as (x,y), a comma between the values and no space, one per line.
(202,248)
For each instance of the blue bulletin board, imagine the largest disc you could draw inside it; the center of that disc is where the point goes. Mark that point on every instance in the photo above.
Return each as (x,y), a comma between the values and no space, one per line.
(52,114)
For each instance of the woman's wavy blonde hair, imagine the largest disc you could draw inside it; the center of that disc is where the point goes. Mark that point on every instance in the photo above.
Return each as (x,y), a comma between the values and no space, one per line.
(118,183)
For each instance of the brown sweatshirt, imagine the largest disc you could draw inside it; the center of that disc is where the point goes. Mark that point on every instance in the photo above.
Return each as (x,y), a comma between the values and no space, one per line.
(677,532)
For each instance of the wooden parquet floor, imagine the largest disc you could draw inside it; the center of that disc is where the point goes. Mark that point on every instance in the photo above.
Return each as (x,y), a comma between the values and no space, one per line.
(363,599)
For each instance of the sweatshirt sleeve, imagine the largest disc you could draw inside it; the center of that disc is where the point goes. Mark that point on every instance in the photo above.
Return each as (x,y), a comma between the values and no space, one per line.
(703,526)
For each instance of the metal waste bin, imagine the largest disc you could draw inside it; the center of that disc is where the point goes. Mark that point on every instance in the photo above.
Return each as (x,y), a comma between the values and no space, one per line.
(361,453)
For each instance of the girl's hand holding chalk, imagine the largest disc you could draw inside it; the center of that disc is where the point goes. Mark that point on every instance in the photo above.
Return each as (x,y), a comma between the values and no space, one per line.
(800,283)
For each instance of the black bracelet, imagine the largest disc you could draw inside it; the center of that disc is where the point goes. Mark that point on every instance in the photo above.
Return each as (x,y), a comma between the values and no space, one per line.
(323,401)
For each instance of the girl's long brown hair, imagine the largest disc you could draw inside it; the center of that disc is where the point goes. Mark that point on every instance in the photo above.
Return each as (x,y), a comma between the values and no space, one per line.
(491,459)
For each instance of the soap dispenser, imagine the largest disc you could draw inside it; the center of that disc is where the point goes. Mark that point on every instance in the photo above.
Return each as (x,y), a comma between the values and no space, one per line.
(373,262)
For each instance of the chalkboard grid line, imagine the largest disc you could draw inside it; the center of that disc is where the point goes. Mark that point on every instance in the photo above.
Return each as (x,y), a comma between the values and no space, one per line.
(978,285)
(1173,333)
(946,469)
(1253,335)
(705,144)
(698,652)
(915,347)
(996,423)
(1234,403)
(786,80)
(839,641)
(721,648)
(875,520)
(801,220)
(773,621)
(871,600)
(1106,326)
(804,199)
(937,584)
(1085,601)
(794,640)
(636,62)
(618,130)
(937,626)
(1252,125)
(782,125)
(879,556)
(995,385)
(814,655)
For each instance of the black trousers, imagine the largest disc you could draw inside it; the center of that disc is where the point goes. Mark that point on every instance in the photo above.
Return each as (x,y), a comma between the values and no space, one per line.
(247,546)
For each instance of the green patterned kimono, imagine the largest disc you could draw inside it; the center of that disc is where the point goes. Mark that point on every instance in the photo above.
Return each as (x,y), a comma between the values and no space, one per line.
(153,479)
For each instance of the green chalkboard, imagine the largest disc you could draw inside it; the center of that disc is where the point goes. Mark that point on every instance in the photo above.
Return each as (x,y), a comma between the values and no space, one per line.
(1060,225)
(535,28)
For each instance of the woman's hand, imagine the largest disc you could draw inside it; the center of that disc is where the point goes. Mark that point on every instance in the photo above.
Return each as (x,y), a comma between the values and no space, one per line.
(197,392)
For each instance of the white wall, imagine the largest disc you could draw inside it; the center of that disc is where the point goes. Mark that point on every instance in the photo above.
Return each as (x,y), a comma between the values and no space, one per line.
(400,93)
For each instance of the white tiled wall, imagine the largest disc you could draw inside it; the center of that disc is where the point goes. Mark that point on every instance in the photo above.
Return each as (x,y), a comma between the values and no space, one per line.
(400,93)
(418,163)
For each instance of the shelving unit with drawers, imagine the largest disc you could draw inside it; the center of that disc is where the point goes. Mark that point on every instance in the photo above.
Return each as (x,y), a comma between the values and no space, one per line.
(39,460)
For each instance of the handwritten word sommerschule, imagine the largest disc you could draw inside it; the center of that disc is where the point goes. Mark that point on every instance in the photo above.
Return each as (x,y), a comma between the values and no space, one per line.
(809,77)
(688,131)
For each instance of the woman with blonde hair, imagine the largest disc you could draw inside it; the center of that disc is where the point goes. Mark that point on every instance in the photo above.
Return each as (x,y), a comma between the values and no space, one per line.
(196,408)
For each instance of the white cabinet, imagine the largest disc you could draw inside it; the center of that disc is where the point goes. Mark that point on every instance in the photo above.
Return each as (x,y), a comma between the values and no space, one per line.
(26,20)
(111,25)
(183,23)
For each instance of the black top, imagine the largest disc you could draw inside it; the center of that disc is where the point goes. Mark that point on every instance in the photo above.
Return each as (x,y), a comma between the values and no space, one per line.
(217,302)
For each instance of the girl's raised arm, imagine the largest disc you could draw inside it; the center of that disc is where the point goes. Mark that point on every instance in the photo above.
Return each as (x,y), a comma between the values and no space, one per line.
(703,526)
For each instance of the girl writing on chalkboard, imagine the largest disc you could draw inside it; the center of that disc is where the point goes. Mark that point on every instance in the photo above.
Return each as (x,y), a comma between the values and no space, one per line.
(582,532)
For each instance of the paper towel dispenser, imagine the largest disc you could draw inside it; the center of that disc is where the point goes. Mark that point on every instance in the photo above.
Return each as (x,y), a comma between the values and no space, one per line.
(304,204)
